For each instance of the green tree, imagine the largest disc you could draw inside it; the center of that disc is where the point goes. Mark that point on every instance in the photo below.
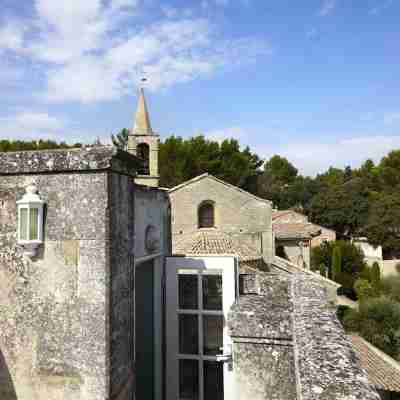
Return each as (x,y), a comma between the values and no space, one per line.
(343,208)
(183,159)
(120,140)
(389,169)
(41,144)
(336,263)
(383,223)
(279,182)
(364,289)
(352,261)
(378,321)
(375,275)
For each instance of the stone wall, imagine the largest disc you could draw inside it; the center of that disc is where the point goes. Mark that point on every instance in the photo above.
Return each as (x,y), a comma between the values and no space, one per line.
(121,271)
(53,308)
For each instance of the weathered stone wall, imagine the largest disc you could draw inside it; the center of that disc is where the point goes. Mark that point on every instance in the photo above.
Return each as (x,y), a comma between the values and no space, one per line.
(121,271)
(53,308)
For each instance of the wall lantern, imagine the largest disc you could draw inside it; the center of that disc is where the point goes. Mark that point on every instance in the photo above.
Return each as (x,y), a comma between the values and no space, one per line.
(30,221)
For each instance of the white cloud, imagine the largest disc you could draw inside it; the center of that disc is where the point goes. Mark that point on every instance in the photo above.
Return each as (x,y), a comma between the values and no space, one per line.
(313,157)
(85,54)
(31,124)
(219,135)
(327,7)
(11,36)
(167,53)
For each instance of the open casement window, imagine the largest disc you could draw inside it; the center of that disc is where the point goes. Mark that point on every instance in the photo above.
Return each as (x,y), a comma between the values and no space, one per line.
(206,215)
(30,217)
(199,294)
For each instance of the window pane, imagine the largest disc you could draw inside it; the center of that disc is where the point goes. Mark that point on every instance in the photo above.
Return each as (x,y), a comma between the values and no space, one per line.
(212,292)
(213,380)
(188,379)
(23,224)
(188,334)
(213,326)
(188,298)
(33,224)
(206,216)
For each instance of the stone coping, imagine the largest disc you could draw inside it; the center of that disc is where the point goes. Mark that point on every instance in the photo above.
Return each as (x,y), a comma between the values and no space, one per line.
(94,158)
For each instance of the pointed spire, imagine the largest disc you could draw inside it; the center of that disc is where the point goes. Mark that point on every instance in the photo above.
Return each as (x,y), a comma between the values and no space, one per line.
(142,124)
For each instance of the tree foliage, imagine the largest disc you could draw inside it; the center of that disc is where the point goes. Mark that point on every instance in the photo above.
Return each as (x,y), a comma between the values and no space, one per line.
(378,321)
(21,145)
(182,159)
(336,263)
(348,256)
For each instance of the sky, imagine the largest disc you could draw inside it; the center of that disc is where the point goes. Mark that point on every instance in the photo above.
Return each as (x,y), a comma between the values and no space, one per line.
(316,81)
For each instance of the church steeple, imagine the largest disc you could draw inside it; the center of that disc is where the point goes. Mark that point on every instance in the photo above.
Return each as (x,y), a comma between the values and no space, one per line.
(144,143)
(142,125)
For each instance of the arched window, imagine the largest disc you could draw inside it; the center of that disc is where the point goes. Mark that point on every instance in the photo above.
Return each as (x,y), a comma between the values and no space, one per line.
(143,152)
(206,215)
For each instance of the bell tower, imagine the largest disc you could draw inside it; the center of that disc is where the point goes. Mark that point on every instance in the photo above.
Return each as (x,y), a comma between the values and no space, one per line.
(144,143)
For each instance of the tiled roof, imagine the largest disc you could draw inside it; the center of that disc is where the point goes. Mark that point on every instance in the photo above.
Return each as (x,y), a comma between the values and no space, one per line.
(383,371)
(290,231)
(212,241)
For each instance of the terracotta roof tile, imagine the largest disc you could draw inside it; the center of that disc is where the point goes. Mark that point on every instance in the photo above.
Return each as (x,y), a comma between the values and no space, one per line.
(212,241)
(383,371)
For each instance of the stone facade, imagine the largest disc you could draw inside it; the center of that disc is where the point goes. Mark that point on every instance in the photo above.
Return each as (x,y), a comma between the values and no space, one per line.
(237,213)
(66,315)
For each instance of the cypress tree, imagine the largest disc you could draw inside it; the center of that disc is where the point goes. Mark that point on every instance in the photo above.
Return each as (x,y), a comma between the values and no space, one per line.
(336,263)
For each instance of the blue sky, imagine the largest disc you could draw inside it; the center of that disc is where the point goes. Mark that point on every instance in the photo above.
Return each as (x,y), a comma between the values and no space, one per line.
(316,81)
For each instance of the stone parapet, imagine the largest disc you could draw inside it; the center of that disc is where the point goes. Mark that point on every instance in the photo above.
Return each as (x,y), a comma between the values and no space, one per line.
(96,158)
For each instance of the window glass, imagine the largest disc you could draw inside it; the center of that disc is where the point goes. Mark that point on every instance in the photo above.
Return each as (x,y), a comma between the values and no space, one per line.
(213,380)
(188,379)
(188,292)
(213,327)
(206,215)
(33,224)
(23,226)
(212,292)
(188,334)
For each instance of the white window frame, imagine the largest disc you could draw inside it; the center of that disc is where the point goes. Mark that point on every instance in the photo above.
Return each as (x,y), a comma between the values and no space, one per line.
(227,266)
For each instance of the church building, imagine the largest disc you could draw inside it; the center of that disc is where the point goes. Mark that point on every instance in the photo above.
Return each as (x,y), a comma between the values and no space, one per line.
(115,289)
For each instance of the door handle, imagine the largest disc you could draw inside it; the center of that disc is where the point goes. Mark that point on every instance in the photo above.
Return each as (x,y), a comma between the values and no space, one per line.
(224,358)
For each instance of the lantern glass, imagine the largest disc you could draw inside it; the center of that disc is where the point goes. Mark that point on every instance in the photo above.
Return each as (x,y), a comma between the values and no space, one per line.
(33,224)
(23,224)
